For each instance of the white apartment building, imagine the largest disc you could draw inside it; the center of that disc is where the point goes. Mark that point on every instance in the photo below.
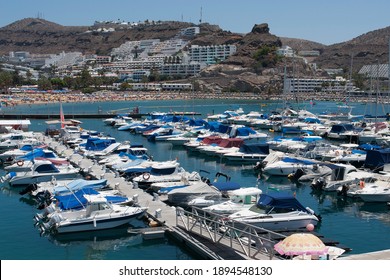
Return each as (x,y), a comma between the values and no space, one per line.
(338,84)
(211,54)
(285,51)
(185,69)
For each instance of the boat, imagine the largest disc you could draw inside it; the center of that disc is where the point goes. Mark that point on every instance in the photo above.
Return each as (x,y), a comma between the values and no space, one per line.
(248,152)
(287,165)
(276,212)
(25,162)
(98,214)
(42,171)
(168,171)
(369,190)
(342,174)
(182,196)
(239,199)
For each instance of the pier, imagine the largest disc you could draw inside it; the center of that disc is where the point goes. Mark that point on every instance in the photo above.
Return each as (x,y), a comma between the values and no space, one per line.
(210,236)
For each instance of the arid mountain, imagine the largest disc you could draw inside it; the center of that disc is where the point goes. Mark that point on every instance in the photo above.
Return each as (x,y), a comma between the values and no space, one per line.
(41,36)
(242,71)
(369,48)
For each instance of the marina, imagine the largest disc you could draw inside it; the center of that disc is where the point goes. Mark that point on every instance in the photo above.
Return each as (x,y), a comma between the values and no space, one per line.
(167,216)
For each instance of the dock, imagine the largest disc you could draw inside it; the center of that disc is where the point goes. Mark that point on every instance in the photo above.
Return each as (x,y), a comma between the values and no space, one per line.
(192,228)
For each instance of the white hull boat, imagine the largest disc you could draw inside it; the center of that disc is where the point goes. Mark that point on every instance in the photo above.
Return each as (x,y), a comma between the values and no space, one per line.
(97,215)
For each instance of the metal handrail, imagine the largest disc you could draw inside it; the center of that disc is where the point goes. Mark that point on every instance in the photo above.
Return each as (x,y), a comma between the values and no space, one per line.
(241,237)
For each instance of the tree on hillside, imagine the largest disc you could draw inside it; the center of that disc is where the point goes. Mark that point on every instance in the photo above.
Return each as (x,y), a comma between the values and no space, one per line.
(5,80)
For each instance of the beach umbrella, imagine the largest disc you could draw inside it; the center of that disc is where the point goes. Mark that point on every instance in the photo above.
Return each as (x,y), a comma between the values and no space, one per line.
(301,244)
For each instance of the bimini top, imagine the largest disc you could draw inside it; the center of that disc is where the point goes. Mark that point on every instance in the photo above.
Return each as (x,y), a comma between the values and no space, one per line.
(281,201)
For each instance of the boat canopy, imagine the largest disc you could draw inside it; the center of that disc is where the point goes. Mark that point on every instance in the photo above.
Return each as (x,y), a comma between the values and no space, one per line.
(376,159)
(33,154)
(245,131)
(280,201)
(212,140)
(77,200)
(79,184)
(226,186)
(297,161)
(231,142)
(254,148)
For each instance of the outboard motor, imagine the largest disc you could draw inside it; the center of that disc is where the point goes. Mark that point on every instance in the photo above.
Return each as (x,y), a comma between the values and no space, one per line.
(30,188)
(318,183)
(298,174)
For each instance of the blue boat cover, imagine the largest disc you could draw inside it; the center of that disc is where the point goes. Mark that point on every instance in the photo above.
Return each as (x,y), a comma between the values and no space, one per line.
(245,131)
(226,186)
(280,200)
(255,148)
(376,159)
(79,184)
(77,200)
(33,154)
(297,161)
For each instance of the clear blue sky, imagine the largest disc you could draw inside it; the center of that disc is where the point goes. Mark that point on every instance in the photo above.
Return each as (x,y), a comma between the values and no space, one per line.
(323,21)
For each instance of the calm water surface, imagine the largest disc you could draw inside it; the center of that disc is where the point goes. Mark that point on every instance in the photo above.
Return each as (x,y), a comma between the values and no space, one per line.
(361,226)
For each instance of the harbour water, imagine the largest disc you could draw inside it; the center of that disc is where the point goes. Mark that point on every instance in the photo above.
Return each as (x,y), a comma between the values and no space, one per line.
(363,227)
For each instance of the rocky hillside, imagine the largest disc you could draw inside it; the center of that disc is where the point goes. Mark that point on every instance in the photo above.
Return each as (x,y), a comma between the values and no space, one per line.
(369,48)
(253,68)
(41,36)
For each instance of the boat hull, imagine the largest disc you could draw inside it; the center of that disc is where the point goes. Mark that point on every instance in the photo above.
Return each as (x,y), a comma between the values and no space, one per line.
(91,224)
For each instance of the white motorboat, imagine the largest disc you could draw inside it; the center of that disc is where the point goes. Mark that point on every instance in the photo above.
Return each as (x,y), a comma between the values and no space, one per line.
(169,171)
(276,212)
(287,165)
(342,174)
(42,171)
(251,152)
(240,199)
(98,214)
(199,190)
(26,162)
(378,191)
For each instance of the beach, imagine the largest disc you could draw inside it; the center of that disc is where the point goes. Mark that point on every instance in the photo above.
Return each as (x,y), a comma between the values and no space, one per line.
(117,96)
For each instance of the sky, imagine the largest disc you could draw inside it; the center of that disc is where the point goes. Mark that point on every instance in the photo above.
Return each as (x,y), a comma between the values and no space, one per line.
(323,21)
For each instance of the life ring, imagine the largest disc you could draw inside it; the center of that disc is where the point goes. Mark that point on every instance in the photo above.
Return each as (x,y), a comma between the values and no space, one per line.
(20,162)
(337,153)
(314,127)
(146,176)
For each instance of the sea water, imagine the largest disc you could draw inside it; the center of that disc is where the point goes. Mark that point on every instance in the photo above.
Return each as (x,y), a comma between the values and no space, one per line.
(363,227)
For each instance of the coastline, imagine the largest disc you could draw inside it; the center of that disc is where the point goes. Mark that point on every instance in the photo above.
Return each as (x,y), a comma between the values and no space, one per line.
(117,96)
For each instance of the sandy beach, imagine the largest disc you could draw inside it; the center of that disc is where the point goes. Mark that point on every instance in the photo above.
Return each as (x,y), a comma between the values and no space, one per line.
(117,96)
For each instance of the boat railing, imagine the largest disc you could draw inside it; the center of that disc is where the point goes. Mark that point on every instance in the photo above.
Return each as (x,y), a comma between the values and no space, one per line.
(246,239)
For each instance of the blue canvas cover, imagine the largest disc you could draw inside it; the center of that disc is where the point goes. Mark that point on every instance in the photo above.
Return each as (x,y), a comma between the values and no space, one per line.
(281,201)
(33,154)
(226,186)
(376,159)
(255,148)
(77,199)
(79,184)
(245,131)
(297,161)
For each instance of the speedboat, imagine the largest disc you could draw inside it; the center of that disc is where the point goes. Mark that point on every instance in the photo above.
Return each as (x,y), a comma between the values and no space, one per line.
(275,212)
(249,152)
(168,171)
(42,171)
(239,199)
(98,214)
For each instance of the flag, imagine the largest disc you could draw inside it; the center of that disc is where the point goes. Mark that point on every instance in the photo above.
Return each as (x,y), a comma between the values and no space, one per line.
(62,117)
